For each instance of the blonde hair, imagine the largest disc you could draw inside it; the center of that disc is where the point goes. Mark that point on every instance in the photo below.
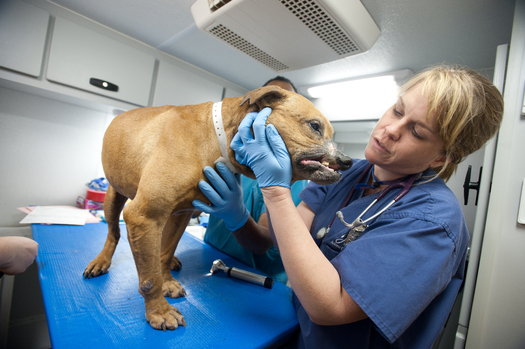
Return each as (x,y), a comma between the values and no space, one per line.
(468,110)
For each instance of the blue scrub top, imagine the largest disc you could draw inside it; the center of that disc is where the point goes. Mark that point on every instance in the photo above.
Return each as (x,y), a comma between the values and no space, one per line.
(404,271)
(221,238)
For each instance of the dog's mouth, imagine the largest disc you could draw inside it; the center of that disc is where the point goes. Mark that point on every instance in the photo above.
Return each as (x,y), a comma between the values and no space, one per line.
(322,169)
(320,164)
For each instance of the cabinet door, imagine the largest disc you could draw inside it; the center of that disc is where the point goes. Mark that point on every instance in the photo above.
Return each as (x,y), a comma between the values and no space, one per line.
(23,30)
(177,86)
(93,62)
(233,93)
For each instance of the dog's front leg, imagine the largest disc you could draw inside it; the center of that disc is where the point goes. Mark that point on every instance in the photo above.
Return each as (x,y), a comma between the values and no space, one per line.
(144,235)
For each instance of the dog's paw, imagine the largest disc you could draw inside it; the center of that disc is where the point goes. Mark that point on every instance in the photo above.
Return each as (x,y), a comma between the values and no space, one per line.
(167,318)
(175,264)
(173,289)
(96,267)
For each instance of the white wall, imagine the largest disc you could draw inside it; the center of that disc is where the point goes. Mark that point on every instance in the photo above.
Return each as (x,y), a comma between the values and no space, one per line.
(49,150)
(354,150)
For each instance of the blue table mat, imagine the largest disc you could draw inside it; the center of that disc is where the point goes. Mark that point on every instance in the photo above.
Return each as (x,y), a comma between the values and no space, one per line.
(108,311)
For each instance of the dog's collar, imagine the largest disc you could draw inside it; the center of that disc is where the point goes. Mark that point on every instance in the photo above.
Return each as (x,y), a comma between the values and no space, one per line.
(221,137)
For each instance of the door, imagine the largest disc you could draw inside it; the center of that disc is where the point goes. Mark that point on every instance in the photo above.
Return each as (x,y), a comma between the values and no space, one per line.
(475,216)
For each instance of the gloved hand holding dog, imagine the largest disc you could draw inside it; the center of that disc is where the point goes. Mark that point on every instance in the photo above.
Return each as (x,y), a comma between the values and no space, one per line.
(264,151)
(225,196)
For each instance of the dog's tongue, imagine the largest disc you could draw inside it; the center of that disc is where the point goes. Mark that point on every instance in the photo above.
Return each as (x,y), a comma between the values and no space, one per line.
(325,164)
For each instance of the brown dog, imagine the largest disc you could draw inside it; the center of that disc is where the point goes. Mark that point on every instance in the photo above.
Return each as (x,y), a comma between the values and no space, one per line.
(155,156)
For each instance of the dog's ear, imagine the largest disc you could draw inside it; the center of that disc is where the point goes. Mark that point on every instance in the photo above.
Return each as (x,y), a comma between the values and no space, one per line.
(264,96)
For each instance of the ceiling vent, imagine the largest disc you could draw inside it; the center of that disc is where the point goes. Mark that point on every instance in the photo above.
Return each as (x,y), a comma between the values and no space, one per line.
(289,34)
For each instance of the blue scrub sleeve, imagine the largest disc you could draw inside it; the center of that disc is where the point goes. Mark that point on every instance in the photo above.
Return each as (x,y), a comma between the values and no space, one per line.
(296,189)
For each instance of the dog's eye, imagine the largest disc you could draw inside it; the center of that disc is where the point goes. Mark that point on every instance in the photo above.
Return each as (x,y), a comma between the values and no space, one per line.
(315,126)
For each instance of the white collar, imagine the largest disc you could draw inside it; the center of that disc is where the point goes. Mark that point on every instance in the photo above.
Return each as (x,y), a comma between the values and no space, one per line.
(221,137)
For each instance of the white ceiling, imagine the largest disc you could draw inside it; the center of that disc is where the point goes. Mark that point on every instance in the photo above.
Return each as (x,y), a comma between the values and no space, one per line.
(414,34)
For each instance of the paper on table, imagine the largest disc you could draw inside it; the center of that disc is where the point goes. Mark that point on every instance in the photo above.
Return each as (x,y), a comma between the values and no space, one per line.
(56,215)
(27,209)
(90,218)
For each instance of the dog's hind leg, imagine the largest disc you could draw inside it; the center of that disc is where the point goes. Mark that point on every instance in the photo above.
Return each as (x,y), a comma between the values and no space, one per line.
(175,264)
(113,204)
(171,235)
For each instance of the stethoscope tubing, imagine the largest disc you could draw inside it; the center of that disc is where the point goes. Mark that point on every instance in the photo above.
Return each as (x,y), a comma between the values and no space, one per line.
(398,184)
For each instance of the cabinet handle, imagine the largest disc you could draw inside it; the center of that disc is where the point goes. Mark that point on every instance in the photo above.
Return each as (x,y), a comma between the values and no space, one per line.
(103,84)
(467,185)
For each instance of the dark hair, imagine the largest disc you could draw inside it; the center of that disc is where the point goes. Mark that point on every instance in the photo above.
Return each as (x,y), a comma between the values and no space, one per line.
(283,79)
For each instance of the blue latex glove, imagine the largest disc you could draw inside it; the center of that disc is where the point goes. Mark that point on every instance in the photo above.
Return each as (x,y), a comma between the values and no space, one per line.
(264,151)
(225,196)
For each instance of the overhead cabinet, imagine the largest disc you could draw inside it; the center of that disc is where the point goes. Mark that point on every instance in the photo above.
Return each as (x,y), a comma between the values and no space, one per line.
(179,86)
(84,59)
(23,30)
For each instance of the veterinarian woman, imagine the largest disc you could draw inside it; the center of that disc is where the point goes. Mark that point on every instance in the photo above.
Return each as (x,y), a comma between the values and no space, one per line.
(237,225)
(392,281)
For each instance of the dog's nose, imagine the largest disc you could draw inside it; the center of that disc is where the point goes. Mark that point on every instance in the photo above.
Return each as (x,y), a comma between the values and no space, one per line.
(344,162)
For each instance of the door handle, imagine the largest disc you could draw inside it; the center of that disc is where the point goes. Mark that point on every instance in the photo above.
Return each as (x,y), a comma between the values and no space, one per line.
(103,84)
(467,185)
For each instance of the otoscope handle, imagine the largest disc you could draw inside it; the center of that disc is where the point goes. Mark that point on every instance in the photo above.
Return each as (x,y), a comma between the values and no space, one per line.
(250,277)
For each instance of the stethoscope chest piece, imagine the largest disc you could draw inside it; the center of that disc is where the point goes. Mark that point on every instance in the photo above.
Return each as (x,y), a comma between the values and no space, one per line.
(355,229)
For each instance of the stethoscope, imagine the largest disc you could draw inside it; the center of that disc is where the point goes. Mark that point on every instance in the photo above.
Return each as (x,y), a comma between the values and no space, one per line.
(358,226)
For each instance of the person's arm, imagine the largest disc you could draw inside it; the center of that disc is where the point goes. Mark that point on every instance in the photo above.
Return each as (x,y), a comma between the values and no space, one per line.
(267,241)
(253,236)
(17,253)
(226,198)
(306,214)
(313,278)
